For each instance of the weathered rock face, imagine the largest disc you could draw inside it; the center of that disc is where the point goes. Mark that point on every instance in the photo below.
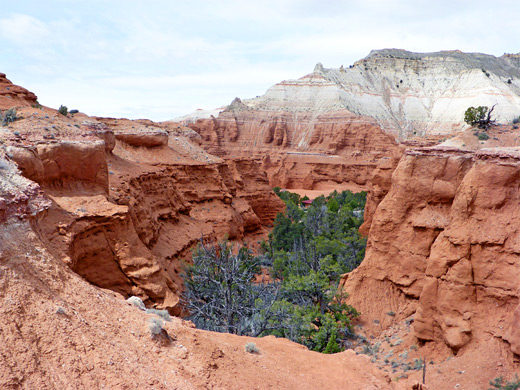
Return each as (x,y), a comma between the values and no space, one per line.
(443,245)
(60,332)
(379,185)
(407,94)
(19,196)
(300,146)
(125,209)
(119,214)
(63,163)
(14,96)
(421,93)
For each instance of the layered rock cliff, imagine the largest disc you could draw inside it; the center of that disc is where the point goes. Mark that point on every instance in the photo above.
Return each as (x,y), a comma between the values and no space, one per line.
(442,252)
(127,202)
(407,94)
(13,95)
(300,135)
(422,93)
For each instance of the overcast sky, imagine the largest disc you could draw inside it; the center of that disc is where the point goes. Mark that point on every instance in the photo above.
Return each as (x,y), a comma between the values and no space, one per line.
(160,59)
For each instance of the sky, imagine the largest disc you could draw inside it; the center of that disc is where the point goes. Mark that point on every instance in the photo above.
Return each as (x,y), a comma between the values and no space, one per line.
(161,59)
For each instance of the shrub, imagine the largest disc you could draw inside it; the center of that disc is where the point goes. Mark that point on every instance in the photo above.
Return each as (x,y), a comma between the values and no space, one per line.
(8,117)
(479,116)
(498,384)
(220,295)
(161,313)
(63,110)
(155,326)
(60,310)
(483,136)
(136,301)
(516,120)
(251,348)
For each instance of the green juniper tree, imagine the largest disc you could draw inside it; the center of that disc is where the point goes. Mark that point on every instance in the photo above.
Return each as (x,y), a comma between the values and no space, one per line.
(479,116)
(307,252)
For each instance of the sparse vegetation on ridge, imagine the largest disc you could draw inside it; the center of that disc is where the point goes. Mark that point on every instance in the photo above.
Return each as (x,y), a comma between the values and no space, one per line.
(8,117)
(483,136)
(251,348)
(498,384)
(479,116)
(161,313)
(155,326)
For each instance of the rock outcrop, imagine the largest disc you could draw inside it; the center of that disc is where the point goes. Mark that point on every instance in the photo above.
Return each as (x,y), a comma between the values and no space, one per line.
(299,135)
(14,96)
(407,94)
(443,248)
(126,202)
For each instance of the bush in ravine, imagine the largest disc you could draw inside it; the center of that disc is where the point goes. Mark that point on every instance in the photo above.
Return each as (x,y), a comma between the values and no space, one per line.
(307,252)
(220,294)
(63,110)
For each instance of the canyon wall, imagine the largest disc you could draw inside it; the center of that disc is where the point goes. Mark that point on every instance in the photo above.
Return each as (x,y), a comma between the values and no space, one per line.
(127,202)
(93,210)
(301,139)
(443,250)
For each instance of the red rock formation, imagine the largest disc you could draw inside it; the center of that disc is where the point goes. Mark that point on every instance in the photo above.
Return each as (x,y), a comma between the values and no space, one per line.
(443,248)
(98,216)
(299,149)
(127,209)
(14,96)
(379,185)
(64,163)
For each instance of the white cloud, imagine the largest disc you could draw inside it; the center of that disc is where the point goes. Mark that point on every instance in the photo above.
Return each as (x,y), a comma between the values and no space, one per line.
(23,29)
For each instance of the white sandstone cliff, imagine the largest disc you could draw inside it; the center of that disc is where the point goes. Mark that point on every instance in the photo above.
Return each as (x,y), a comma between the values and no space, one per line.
(406,93)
